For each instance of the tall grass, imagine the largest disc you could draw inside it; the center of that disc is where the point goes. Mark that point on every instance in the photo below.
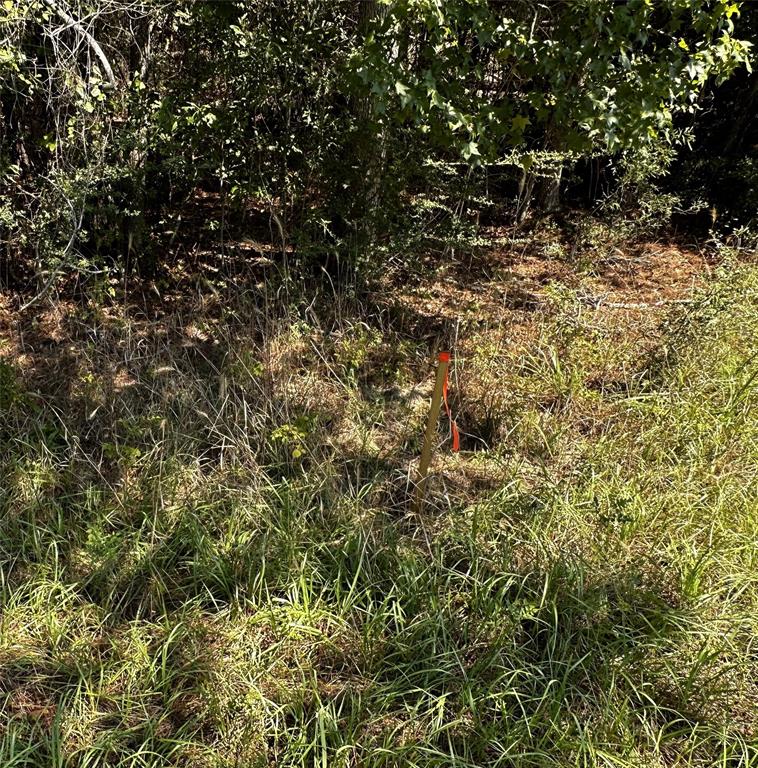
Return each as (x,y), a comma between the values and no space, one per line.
(207,558)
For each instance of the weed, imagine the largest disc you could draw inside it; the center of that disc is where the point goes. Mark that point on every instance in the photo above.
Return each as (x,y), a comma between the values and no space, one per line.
(207,574)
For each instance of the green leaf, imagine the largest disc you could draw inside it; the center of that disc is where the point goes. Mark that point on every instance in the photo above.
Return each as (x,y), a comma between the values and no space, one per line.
(519,123)
(404,93)
(471,149)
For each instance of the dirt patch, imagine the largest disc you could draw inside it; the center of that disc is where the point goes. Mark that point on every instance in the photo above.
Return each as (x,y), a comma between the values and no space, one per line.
(651,273)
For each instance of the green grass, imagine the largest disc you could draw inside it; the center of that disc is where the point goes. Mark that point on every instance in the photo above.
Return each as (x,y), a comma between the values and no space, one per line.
(211,564)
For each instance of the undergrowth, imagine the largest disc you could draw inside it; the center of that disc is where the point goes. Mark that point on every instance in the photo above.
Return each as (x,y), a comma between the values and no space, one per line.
(208,558)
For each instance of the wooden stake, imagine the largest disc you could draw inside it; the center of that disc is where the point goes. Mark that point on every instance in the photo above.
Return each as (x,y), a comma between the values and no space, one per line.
(431,428)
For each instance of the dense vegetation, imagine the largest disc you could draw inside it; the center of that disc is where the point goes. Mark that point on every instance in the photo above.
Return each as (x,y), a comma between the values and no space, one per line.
(329,118)
(233,236)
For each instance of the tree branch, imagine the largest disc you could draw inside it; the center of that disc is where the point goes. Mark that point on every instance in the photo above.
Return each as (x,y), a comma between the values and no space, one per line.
(82,32)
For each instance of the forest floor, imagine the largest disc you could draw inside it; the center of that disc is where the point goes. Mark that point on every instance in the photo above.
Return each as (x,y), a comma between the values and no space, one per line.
(209,558)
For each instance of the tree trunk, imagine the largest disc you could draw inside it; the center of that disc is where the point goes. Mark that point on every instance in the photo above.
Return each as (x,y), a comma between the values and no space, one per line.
(549,192)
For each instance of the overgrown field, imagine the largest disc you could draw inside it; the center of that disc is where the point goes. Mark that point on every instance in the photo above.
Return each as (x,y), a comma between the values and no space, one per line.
(208,558)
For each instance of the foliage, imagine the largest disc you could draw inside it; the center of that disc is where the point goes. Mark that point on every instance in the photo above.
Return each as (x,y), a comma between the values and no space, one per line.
(586,76)
(317,121)
(720,168)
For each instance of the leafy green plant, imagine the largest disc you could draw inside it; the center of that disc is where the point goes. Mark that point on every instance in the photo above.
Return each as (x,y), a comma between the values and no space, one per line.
(593,75)
(294,435)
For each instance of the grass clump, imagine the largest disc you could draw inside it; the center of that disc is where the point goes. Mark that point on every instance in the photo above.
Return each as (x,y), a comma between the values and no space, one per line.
(217,567)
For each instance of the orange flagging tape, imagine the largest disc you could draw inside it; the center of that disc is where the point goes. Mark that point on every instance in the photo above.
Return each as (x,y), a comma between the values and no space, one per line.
(445,358)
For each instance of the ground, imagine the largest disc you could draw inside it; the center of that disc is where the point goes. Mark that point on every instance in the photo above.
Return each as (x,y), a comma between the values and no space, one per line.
(209,557)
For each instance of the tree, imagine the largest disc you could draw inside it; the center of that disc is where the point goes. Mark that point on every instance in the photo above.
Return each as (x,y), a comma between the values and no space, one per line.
(543,82)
